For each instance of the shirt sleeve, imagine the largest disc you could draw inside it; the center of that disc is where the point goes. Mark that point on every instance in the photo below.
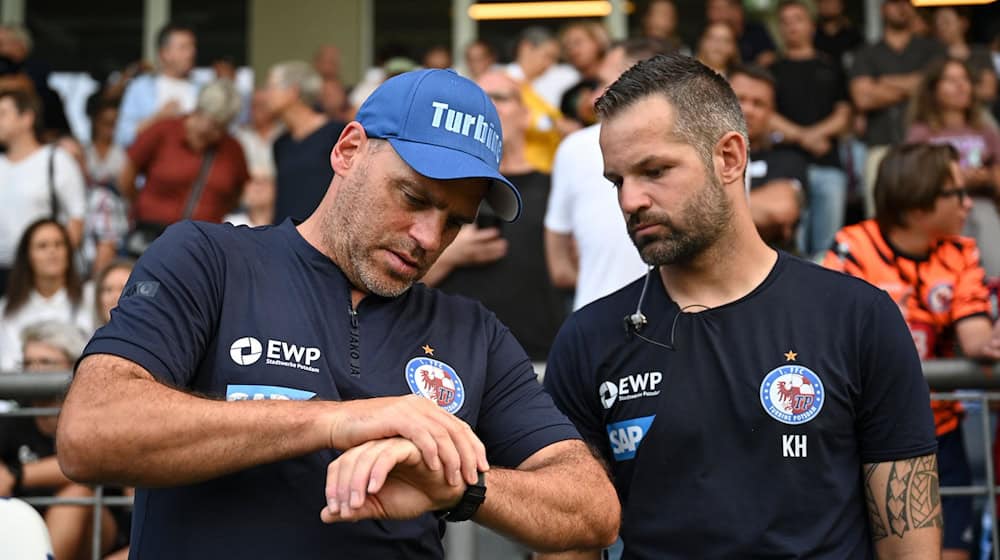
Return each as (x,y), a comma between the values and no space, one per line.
(894,417)
(862,65)
(971,295)
(69,185)
(558,211)
(517,417)
(147,143)
(167,314)
(565,381)
(131,113)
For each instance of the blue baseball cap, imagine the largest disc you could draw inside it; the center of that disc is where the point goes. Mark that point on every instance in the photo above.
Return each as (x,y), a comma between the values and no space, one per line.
(444,127)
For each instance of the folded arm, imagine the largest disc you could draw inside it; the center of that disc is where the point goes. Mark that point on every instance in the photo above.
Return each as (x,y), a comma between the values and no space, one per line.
(904,508)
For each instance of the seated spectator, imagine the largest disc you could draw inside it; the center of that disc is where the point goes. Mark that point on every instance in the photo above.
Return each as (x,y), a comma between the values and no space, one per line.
(944,111)
(326,62)
(835,34)
(717,48)
(194,169)
(28,455)
(776,173)
(584,44)
(258,136)
(913,251)
(950,26)
(302,152)
(257,205)
(502,265)
(166,94)
(109,284)
(480,57)
(105,159)
(536,63)
(660,22)
(44,285)
(754,43)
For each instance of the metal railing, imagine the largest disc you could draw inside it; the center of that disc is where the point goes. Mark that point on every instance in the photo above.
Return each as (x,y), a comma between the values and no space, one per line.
(950,379)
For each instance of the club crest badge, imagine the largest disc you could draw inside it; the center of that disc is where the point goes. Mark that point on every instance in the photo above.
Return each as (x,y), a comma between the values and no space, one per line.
(792,394)
(437,381)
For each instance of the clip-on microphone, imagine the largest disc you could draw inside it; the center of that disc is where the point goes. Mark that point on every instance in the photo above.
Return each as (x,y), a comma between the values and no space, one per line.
(637,321)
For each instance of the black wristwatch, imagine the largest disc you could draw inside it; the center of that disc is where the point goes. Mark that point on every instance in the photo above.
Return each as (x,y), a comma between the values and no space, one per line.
(474,496)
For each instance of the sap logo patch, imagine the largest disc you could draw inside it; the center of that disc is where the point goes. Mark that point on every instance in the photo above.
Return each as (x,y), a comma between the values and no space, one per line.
(626,435)
(266,393)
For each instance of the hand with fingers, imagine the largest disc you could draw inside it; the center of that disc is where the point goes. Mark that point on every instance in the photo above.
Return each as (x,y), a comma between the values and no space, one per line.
(446,444)
(385,479)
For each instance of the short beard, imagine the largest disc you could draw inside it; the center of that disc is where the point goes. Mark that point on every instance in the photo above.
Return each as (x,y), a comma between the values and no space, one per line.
(708,215)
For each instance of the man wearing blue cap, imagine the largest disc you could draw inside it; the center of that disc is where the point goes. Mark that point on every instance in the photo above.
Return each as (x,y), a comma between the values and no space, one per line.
(256,383)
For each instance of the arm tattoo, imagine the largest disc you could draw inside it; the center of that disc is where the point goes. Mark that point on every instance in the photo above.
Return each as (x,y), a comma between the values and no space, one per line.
(912,499)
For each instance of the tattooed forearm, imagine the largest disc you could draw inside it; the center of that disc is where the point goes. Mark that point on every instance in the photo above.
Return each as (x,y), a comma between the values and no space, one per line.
(902,496)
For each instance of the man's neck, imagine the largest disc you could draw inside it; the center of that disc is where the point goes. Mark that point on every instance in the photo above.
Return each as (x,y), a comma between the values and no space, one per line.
(953,118)
(732,268)
(47,287)
(302,121)
(911,241)
(800,52)
(897,39)
(22,147)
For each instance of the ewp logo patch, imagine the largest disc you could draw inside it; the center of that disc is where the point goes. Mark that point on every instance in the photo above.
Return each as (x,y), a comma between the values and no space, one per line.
(246,351)
(625,436)
(792,394)
(437,381)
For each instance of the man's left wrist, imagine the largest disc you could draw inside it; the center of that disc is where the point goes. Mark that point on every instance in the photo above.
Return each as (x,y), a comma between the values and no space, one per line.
(468,504)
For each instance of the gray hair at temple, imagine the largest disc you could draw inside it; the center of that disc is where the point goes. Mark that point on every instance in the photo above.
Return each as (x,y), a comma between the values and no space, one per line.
(219,100)
(706,107)
(63,336)
(301,76)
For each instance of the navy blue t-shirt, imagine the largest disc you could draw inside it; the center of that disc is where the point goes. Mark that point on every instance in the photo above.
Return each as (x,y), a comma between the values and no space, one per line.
(746,440)
(238,313)
(302,171)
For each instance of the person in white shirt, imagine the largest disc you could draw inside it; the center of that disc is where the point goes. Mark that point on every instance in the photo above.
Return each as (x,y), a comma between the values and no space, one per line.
(36,181)
(168,93)
(43,286)
(587,245)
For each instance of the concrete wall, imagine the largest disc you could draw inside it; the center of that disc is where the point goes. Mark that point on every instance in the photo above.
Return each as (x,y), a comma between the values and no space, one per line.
(282,30)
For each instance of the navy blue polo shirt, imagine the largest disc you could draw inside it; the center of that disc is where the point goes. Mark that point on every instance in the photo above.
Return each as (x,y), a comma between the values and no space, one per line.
(238,313)
(746,440)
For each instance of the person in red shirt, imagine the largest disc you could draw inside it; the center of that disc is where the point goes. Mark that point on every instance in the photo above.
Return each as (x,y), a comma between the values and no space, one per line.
(171,154)
(913,251)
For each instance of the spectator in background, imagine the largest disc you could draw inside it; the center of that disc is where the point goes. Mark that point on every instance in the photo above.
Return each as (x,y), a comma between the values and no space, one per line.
(717,48)
(28,464)
(326,62)
(754,41)
(659,22)
(583,45)
(913,251)
(883,78)
(334,103)
(44,285)
(257,206)
(812,112)
(105,159)
(35,181)
(944,112)
(587,246)
(950,26)
(105,221)
(257,138)
(166,94)
(480,57)
(302,152)
(16,45)
(536,63)
(776,174)
(193,167)
(108,285)
(835,34)
(504,269)
(438,56)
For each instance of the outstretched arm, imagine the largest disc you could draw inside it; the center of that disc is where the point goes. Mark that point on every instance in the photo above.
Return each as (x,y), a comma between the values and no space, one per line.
(904,508)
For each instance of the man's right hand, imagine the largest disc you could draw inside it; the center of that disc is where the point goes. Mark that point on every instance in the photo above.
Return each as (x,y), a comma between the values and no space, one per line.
(445,441)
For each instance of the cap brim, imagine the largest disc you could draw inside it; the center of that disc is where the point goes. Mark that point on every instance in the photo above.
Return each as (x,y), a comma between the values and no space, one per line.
(438,162)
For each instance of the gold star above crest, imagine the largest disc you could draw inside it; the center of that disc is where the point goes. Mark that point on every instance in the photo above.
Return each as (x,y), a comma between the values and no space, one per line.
(790,355)
(428,350)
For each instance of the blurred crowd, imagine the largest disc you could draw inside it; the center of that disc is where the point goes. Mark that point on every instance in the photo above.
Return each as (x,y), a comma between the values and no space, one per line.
(823,108)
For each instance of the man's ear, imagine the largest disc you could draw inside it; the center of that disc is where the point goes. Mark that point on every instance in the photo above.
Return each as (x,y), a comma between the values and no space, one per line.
(730,157)
(352,142)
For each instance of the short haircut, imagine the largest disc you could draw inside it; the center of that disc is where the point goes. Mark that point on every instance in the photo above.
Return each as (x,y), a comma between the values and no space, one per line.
(911,177)
(704,104)
(26,101)
(754,72)
(301,76)
(65,337)
(163,36)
